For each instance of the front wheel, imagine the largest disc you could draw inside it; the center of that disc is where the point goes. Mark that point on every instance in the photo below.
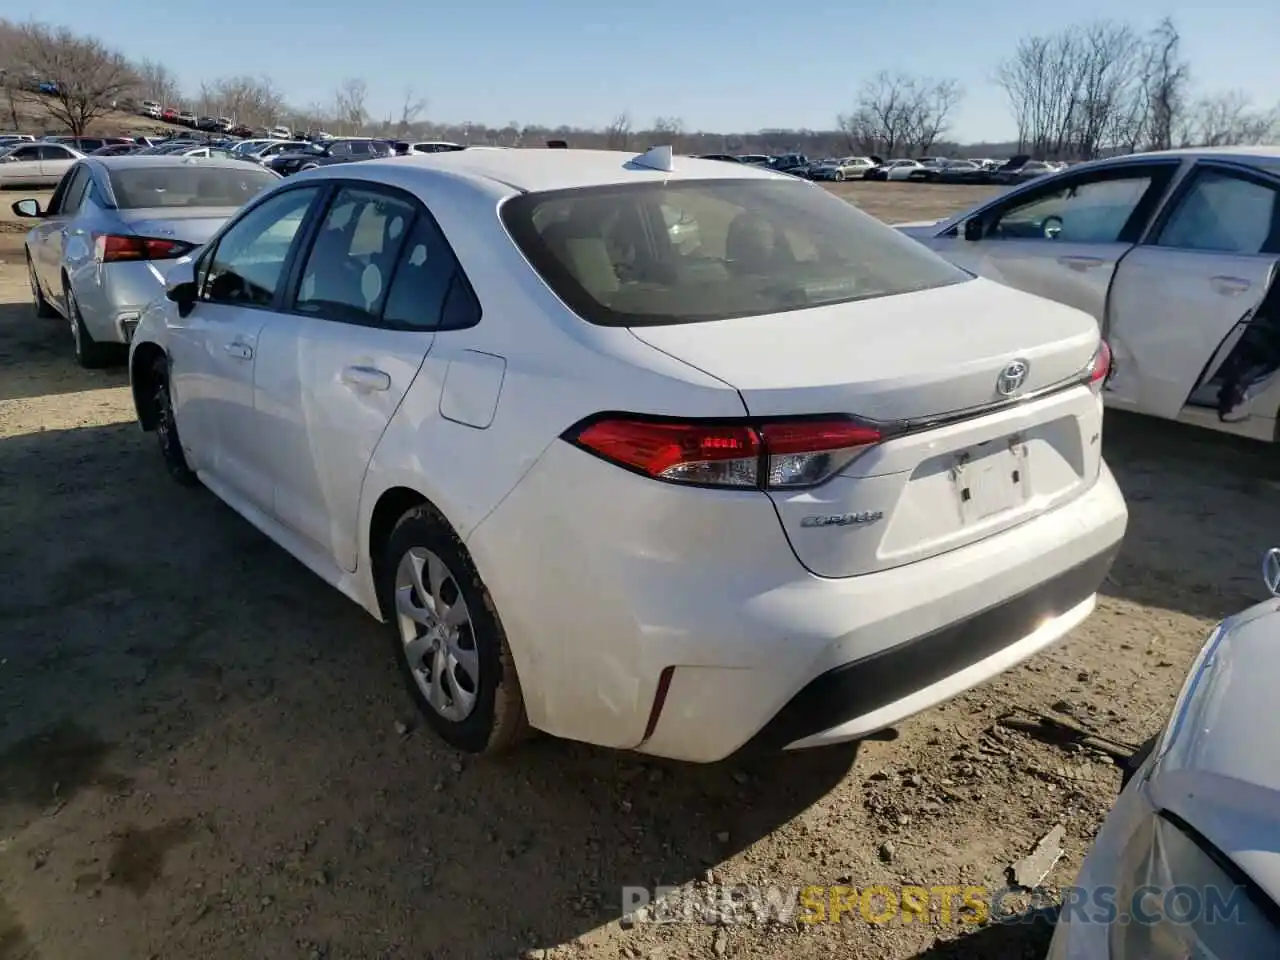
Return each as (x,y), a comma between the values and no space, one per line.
(449,642)
(175,461)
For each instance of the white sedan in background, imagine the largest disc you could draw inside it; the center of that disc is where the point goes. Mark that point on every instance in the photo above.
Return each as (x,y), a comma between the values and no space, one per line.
(35,164)
(98,253)
(679,456)
(1187,864)
(1174,254)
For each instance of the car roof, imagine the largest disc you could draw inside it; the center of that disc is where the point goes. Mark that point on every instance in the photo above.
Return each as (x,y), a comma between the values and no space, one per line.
(536,169)
(1220,767)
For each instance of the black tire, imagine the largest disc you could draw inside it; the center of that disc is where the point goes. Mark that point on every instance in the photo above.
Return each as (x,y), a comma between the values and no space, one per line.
(44,309)
(90,354)
(1135,762)
(497,721)
(175,461)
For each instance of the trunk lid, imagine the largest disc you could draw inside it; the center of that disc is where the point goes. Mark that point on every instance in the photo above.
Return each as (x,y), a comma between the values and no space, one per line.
(905,357)
(915,357)
(193,225)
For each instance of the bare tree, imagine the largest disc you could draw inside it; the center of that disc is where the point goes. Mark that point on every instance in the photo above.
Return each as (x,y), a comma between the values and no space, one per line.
(899,113)
(618,133)
(1077,92)
(931,112)
(668,132)
(1227,119)
(350,105)
(410,109)
(157,82)
(84,78)
(1165,82)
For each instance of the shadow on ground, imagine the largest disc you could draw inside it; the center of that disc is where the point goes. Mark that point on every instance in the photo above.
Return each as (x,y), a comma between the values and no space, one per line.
(174,688)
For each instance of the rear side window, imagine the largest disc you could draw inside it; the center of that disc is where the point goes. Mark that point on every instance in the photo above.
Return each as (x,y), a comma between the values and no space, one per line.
(422,280)
(699,250)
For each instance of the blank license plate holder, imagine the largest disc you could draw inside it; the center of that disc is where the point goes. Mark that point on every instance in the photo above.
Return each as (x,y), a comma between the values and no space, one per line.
(991,481)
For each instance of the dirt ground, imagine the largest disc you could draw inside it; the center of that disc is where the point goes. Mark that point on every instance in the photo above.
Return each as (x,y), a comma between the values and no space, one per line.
(205,752)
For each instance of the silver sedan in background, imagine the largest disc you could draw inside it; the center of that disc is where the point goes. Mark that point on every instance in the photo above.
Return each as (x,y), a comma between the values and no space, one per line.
(99,253)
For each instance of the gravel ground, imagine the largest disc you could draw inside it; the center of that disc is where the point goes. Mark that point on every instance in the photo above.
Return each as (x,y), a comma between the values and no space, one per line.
(205,752)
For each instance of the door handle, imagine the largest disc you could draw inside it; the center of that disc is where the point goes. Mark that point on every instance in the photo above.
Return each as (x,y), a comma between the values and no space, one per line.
(1230,286)
(366,378)
(241,351)
(1081,263)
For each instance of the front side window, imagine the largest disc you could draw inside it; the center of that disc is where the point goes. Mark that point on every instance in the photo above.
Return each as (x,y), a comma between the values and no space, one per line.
(1092,211)
(25,153)
(693,250)
(349,268)
(247,265)
(1223,213)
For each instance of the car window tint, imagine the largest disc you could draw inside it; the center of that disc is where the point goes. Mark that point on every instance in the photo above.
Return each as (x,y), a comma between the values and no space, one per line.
(247,265)
(26,153)
(1090,212)
(1222,213)
(349,267)
(54,152)
(422,279)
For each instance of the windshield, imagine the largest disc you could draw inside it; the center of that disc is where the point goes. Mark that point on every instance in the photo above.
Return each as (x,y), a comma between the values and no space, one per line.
(697,250)
(189,185)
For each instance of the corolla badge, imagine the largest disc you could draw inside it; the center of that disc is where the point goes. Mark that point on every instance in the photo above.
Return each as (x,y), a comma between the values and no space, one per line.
(843,519)
(1012,377)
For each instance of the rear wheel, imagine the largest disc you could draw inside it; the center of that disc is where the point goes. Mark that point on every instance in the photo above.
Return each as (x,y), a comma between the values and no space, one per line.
(90,354)
(44,309)
(449,642)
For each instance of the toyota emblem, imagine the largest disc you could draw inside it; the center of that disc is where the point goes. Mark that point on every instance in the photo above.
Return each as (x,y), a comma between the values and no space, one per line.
(1012,377)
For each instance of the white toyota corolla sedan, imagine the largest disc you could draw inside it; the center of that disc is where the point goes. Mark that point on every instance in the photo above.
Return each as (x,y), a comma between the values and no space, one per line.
(677,456)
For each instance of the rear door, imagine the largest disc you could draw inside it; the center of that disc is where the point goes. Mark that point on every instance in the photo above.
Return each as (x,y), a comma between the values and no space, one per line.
(1064,238)
(1203,268)
(55,161)
(366,302)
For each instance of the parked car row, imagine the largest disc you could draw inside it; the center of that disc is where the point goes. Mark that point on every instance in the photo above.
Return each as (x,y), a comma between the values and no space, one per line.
(924,170)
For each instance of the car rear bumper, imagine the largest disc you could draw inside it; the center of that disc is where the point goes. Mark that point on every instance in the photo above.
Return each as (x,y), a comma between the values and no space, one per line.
(642,616)
(112,299)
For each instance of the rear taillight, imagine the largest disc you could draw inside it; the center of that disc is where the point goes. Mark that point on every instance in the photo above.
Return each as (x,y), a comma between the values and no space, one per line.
(1099,368)
(112,248)
(772,455)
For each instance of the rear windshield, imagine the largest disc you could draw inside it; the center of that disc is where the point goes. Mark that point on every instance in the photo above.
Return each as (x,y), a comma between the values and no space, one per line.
(693,250)
(189,185)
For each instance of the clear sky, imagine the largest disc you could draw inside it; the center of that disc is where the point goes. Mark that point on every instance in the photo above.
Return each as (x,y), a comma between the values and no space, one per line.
(724,65)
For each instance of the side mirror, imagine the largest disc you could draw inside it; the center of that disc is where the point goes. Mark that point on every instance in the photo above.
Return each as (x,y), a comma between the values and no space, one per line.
(973,228)
(27,208)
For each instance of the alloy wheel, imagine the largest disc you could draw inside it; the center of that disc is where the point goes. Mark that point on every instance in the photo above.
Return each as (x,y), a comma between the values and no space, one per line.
(436,630)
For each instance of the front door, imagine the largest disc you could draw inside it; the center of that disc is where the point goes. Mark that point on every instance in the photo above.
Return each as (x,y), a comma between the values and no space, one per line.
(1188,287)
(52,231)
(332,373)
(1064,238)
(213,350)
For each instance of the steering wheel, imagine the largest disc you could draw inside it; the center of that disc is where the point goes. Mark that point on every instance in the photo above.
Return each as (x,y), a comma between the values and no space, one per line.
(1052,226)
